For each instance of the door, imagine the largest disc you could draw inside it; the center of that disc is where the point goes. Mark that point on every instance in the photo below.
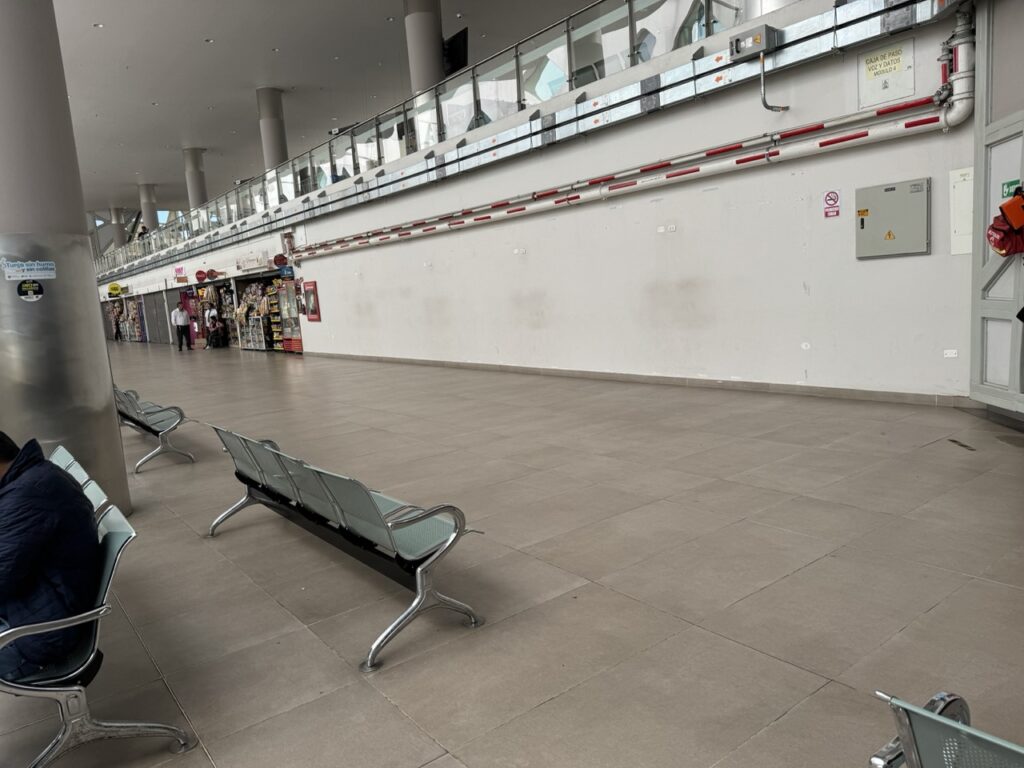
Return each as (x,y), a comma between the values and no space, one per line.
(998,283)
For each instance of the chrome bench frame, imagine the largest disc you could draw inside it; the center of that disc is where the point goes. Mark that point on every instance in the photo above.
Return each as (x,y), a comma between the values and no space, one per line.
(139,416)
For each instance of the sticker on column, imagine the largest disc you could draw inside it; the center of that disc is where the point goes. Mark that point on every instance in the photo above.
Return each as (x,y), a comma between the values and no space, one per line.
(30,290)
(28,270)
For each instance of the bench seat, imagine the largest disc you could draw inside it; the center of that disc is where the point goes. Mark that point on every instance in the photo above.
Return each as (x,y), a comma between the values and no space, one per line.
(154,420)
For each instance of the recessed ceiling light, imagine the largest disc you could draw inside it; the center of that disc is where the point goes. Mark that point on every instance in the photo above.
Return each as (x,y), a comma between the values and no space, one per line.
(276,50)
(334,119)
(458,14)
(391,18)
(234,133)
(155,103)
(208,40)
(98,25)
(211,107)
(337,57)
(483,34)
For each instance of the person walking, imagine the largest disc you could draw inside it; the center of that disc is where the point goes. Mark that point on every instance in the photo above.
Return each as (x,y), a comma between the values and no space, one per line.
(180,321)
(210,323)
(118,336)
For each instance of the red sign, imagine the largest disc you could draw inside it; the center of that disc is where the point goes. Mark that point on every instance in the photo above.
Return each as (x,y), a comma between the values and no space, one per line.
(212,274)
(280,260)
(831,207)
(201,276)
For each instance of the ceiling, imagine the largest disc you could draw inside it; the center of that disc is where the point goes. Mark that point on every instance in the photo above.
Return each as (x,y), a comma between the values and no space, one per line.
(147,84)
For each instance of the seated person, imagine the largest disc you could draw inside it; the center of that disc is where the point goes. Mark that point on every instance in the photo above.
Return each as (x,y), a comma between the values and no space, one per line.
(50,557)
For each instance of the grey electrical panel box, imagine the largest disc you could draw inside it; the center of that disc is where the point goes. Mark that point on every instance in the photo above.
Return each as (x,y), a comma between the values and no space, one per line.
(753,42)
(894,219)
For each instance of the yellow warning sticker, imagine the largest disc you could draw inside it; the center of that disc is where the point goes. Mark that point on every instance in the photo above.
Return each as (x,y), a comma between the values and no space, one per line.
(889,235)
(862,212)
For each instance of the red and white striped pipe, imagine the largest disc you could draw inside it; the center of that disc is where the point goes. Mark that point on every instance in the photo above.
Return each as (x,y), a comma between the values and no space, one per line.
(949,108)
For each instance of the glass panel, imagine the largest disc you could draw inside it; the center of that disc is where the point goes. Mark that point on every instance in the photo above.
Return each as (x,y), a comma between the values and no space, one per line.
(392,135)
(366,146)
(423,116)
(222,210)
(245,208)
(997,334)
(496,82)
(1004,165)
(212,215)
(272,189)
(341,151)
(232,202)
(259,196)
(544,61)
(286,180)
(457,106)
(303,181)
(660,25)
(600,41)
(196,223)
(320,160)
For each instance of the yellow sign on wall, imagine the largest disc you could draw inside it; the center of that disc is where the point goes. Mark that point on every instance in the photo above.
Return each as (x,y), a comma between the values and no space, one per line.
(114,289)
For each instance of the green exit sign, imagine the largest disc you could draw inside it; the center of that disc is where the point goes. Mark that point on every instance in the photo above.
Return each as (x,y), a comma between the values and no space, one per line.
(1009,186)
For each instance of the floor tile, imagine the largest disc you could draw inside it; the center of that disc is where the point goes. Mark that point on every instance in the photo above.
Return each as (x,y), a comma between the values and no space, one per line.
(838,523)
(895,487)
(246,687)
(828,616)
(354,725)
(714,571)
(685,703)
(461,690)
(808,471)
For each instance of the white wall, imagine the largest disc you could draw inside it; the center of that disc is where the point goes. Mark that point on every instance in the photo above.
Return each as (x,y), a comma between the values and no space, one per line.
(754,285)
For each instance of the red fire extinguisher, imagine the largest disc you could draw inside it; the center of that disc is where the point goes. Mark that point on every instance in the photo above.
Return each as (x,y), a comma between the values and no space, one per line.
(1006,232)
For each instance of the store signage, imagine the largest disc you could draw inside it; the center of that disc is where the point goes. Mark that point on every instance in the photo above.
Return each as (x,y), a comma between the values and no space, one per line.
(1009,187)
(212,274)
(286,272)
(280,260)
(250,263)
(30,290)
(200,276)
(181,279)
(114,289)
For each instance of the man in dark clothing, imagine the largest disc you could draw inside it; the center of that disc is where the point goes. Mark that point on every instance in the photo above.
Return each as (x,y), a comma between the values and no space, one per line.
(50,557)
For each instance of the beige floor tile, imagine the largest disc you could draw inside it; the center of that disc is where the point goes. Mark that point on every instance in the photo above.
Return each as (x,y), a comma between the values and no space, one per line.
(968,644)
(288,559)
(896,437)
(735,457)
(828,616)
(711,572)
(838,523)
(465,688)
(836,727)
(1008,569)
(353,726)
(560,513)
(731,498)
(819,432)
(246,687)
(685,703)
(614,543)
(808,471)
(895,487)
(235,620)
(955,547)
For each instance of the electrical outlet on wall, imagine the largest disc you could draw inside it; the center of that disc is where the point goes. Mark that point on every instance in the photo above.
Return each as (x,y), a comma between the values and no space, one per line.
(950,353)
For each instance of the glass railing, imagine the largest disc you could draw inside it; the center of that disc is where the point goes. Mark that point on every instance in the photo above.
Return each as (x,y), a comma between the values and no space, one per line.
(604,38)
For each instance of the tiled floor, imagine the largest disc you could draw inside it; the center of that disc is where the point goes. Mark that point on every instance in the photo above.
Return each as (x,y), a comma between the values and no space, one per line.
(671,576)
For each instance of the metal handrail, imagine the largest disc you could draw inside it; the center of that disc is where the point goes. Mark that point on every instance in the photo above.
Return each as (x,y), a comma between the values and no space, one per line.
(228,208)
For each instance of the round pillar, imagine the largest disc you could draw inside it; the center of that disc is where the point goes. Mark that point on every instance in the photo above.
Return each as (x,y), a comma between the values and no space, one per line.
(195,177)
(54,369)
(425,43)
(147,202)
(117,222)
(272,133)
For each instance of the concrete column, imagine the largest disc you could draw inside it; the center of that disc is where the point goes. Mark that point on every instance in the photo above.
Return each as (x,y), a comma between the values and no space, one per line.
(117,222)
(425,42)
(272,133)
(147,202)
(54,370)
(195,177)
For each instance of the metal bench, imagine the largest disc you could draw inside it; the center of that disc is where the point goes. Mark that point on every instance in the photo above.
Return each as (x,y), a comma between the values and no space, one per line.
(402,541)
(65,682)
(62,457)
(151,419)
(939,735)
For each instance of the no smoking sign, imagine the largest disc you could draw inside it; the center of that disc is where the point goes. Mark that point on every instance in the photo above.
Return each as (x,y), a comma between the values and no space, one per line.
(831,204)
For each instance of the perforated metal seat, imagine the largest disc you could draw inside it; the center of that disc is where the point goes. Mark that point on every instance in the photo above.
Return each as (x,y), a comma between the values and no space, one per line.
(154,420)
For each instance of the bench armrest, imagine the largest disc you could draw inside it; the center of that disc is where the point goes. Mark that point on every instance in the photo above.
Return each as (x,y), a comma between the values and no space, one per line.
(426,514)
(8,636)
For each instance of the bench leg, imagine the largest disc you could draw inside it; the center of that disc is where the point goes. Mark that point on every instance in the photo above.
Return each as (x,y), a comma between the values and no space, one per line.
(427,598)
(238,506)
(164,447)
(78,728)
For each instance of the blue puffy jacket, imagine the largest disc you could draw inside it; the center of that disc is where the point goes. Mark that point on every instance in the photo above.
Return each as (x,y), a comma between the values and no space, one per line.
(50,557)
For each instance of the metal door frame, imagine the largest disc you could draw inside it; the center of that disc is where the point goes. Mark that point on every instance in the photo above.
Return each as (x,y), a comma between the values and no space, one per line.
(983,275)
